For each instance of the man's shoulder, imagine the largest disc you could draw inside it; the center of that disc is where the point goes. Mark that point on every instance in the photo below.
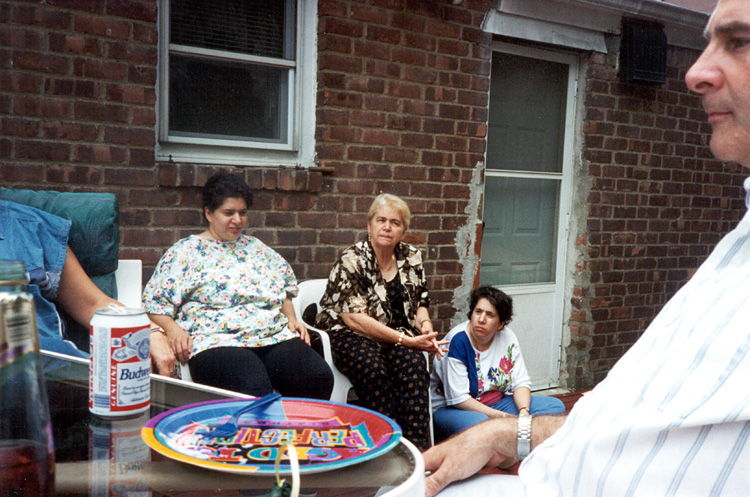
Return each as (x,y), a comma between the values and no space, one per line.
(25,213)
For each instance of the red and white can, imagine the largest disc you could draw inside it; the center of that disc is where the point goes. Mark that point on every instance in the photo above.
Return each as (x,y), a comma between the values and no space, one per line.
(119,377)
(117,455)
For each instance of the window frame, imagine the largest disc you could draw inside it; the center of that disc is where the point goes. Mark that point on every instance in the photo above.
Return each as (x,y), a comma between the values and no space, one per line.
(298,150)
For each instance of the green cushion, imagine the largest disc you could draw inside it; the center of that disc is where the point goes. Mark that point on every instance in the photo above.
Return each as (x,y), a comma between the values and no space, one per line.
(95,231)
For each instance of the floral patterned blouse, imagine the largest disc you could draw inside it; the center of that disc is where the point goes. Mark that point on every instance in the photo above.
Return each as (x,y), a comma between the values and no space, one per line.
(486,376)
(356,285)
(224,294)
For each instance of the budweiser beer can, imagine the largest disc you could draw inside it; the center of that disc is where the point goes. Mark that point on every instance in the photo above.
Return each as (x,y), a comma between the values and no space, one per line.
(117,454)
(119,376)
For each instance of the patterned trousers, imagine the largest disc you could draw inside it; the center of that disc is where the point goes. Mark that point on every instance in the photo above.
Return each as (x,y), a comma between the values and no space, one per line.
(387,379)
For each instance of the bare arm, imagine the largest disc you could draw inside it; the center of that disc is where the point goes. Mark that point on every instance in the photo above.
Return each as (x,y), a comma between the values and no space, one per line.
(424,324)
(484,445)
(372,328)
(162,355)
(472,404)
(287,309)
(80,298)
(522,398)
(179,340)
(77,294)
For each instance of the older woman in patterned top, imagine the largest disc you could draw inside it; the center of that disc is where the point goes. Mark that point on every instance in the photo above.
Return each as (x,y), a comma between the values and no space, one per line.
(375,309)
(224,301)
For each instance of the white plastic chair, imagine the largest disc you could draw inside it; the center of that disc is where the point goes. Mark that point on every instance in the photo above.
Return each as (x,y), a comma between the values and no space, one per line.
(128,280)
(310,292)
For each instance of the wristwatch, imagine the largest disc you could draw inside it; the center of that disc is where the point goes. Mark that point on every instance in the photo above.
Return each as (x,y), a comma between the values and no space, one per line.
(524,436)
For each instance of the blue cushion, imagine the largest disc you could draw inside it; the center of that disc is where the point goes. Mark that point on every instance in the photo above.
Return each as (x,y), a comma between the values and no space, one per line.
(95,231)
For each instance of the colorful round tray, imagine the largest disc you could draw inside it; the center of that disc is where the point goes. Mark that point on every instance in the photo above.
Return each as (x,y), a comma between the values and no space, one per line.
(326,435)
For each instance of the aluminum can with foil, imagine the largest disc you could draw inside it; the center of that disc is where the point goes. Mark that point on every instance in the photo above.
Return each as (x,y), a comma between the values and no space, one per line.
(117,454)
(119,379)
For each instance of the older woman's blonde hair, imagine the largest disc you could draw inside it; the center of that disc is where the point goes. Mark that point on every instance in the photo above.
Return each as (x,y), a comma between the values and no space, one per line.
(386,199)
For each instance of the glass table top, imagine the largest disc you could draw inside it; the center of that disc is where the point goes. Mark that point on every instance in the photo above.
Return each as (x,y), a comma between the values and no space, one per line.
(103,457)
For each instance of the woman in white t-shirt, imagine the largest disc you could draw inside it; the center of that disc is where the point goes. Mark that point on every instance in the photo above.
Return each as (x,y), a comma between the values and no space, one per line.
(484,376)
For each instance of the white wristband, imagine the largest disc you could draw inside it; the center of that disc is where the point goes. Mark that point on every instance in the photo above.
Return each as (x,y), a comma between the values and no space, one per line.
(524,436)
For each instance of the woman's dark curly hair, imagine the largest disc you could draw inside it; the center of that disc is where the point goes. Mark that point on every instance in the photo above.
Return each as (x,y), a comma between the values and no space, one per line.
(502,303)
(222,186)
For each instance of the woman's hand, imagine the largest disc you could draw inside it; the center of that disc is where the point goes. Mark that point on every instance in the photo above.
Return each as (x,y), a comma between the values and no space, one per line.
(161,354)
(287,309)
(301,330)
(180,342)
(427,342)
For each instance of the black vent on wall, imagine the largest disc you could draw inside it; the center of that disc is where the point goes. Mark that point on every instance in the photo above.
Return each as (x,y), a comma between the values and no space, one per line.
(643,53)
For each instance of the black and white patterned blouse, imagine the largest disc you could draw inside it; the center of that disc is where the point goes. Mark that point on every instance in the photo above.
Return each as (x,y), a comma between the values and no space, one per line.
(355,285)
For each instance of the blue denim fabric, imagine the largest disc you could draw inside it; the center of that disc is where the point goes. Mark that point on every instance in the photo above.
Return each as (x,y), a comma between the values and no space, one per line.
(451,420)
(40,240)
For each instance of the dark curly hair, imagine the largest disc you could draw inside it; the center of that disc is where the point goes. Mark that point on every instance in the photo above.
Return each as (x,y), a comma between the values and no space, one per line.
(222,186)
(502,303)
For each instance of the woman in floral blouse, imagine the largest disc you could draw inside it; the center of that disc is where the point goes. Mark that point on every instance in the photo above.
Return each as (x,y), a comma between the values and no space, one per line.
(223,299)
(375,310)
(484,375)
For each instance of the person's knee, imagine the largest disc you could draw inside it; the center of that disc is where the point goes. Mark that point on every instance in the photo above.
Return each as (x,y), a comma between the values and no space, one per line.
(547,405)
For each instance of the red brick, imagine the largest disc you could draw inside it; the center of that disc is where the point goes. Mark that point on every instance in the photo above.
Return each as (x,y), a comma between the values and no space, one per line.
(364,153)
(367,118)
(99,154)
(40,17)
(71,131)
(20,37)
(340,26)
(369,15)
(101,27)
(76,175)
(381,68)
(410,23)
(132,9)
(367,84)
(14,126)
(334,43)
(100,112)
(417,140)
(404,89)
(409,173)
(404,156)
(74,44)
(100,69)
(408,56)
(42,150)
(45,63)
(420,75)
(383,35)
(131,94)
(127,51)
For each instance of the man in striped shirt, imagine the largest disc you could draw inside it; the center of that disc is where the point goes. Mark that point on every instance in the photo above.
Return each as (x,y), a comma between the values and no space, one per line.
(673,415)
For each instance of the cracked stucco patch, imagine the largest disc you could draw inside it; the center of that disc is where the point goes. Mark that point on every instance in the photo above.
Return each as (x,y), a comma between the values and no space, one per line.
(466,241)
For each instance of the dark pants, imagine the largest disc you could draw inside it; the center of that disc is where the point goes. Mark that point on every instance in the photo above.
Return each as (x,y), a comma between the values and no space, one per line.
(291,367)
(387,379)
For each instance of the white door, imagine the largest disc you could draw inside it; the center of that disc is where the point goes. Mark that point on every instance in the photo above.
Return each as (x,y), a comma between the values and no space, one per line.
(526,195)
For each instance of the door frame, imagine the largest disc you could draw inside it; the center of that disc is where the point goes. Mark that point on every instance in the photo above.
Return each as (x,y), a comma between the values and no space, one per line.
(558,288)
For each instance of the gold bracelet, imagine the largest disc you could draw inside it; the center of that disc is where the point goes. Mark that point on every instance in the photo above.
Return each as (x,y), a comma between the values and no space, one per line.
(425,321)
(521,408)
(159,329)
(400,340)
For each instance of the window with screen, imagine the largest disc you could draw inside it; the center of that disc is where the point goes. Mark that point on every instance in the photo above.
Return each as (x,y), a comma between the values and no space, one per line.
(229,75)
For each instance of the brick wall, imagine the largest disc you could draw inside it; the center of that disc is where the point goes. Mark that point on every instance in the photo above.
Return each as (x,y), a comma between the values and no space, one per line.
(657,203)
(401,108)
(402,98)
